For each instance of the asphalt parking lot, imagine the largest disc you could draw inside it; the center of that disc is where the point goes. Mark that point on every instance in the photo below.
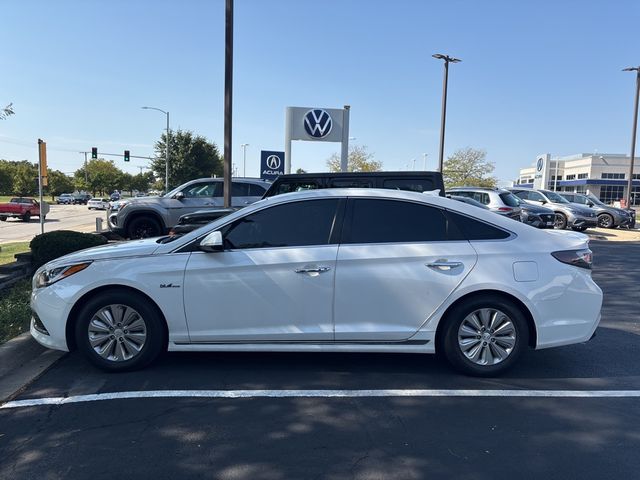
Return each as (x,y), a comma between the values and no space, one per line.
(572,412)
(60,217)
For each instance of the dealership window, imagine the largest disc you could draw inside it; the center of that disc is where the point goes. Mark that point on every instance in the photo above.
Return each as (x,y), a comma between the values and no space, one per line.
(530,180)
(553,177)
(582,176)
(571,177)
(581,189)
(635,195)
(613,176)
(636,176)
(611,193)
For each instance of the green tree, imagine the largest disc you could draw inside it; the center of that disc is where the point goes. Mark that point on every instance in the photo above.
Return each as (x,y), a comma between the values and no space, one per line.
(190,157)
(103,176)
(24,178)
(59,183)
(7,170)
(126,183)
(468,167)
(142,181)
(359,160)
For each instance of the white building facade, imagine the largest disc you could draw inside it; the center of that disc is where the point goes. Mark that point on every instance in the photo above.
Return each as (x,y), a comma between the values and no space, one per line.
(604,175)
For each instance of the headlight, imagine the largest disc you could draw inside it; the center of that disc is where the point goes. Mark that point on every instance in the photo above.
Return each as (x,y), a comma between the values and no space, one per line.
(51,275)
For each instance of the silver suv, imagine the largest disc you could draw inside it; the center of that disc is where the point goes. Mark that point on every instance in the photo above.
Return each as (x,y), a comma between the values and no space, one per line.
(578,217)
(497,200)
(153,216)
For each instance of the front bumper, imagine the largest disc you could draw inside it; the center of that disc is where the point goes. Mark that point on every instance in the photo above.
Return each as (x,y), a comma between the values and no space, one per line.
(578,221)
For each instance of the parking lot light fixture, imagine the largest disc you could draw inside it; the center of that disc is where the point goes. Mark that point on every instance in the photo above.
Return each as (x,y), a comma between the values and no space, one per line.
(166,178)
(244,158)
(633,132)
(447,59)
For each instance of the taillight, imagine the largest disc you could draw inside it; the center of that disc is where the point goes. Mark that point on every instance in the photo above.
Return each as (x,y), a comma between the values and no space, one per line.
(505,209)
(578,258)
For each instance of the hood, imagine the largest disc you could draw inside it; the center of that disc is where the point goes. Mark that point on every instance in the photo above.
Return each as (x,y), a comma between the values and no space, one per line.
(530,207)
(110,251)
(153,202)
(579,209)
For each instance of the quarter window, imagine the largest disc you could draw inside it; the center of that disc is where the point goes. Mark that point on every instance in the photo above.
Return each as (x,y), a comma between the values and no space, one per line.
(476,230)
(392,221)
(288,225)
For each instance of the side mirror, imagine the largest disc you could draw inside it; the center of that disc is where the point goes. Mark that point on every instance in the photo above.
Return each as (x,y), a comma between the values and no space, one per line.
(590,204)
(543,201)
(212,242)
(179,196)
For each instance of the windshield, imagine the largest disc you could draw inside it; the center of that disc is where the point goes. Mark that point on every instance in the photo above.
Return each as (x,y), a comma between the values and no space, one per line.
(554,197)
(595,200)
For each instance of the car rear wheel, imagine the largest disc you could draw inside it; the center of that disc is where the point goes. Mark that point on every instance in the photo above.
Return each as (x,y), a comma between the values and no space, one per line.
(144,227)
(3,219)
(605,221)
(118,331)
(484,336)
(561,221)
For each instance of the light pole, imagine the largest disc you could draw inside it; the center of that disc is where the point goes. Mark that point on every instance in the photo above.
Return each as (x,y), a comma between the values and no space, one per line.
(633,132)
(447,59)
(244,158)
(424,156)
(166,174)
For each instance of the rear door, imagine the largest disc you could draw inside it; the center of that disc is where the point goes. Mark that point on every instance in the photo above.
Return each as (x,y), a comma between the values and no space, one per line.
(397,263)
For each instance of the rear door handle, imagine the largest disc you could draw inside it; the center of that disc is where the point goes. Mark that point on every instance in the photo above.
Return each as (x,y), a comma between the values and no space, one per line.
(443,265)
(313,269)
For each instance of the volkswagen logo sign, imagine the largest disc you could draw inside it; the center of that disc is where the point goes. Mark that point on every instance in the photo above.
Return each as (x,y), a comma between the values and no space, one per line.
(273,162)
(540,164)
(317,123)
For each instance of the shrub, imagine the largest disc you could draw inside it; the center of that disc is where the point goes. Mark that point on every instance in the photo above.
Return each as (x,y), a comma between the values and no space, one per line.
(15,312)
(51,245)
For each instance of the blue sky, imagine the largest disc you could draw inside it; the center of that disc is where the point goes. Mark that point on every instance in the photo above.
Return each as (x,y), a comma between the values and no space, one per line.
(536,77)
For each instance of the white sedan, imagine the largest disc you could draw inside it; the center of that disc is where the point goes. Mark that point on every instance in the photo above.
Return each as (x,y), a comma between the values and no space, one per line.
(98,204)
(359,270)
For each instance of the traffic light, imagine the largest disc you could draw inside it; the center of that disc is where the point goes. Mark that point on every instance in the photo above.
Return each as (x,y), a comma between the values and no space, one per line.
(126,155)
(94,153)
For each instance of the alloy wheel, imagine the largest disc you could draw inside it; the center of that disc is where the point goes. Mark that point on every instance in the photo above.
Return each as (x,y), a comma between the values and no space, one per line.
(487,336)
(117,333)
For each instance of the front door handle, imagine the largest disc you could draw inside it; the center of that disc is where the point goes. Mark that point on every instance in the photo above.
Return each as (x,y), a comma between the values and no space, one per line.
(313,269)
(443,265)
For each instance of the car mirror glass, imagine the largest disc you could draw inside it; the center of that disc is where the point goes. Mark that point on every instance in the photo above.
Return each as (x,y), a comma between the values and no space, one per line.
(179,196)
(212,242)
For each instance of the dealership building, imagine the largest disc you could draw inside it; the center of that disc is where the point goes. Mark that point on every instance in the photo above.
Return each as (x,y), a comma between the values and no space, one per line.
(604,175)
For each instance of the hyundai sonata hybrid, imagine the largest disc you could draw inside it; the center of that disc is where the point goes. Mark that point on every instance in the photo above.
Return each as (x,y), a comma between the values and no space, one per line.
(359,270)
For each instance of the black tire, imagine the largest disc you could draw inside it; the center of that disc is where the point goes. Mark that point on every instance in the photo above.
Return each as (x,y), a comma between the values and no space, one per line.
(561,221)
(605,221)
(26,217)
(578,229)
(3,219)
(153,346)
(448,339)
(144,227)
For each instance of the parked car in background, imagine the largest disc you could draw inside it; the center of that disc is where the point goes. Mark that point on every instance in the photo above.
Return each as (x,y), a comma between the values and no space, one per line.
(536,215)
(497,200)
(154,216)
(608,217)
(467,200)
(568,214)
(329,270)
(115,196)
(65,199)
(81,198)
(23,208)
(411,181)
(98,204)
(191,221)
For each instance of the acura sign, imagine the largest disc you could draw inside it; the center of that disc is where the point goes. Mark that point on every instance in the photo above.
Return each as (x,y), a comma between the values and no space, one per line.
(271,164)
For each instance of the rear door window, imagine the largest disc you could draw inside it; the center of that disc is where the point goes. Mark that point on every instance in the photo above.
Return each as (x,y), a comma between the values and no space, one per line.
(509,199)
(393,221)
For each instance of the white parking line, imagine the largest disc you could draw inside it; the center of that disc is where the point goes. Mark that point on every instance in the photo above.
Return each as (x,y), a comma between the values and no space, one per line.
(321,394)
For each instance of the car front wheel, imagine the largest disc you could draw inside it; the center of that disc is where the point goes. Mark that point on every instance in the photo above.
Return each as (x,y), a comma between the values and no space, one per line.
(119,331)
(605,221)
(144,227)
(484,336)
(561,221)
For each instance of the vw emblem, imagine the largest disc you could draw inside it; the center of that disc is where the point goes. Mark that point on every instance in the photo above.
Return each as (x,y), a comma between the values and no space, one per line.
(540,164)
(273,162)
(317,123)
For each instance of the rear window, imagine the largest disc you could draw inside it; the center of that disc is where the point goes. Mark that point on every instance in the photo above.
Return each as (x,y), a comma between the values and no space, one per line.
(509,199)
(410,184)
(350,183)
(296,186)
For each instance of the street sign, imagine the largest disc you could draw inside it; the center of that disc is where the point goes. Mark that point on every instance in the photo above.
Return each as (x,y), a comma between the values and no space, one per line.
(271,164)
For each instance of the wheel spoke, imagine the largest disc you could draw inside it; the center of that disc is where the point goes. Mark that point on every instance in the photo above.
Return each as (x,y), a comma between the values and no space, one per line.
(485,317)
(117,332)
(466,330)
(474,320)
(468,343)
(486,336)
(506,342)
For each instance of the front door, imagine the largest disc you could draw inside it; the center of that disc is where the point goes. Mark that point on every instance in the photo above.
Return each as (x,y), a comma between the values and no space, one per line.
(397,264)
(272,283)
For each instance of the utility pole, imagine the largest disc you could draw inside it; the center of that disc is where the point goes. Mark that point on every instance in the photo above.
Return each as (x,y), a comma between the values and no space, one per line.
(447,59)
(228,100)
(633,132)
(86,173)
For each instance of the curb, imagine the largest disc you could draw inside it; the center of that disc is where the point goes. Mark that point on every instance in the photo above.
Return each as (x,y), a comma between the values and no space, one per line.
(23,360)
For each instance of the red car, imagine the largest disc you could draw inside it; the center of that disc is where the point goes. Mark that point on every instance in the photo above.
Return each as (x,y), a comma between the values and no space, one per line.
(23,208)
